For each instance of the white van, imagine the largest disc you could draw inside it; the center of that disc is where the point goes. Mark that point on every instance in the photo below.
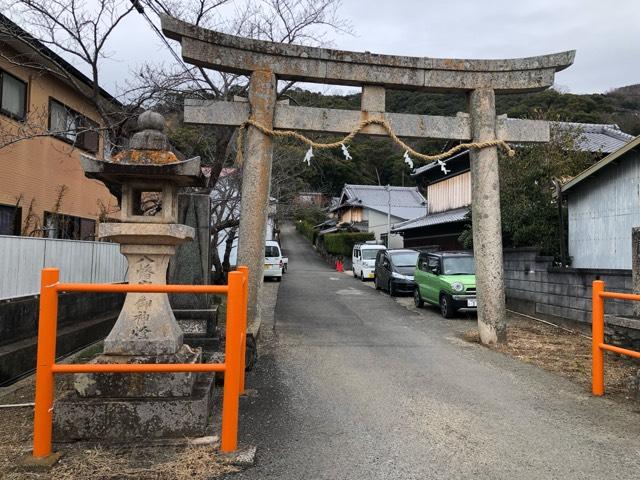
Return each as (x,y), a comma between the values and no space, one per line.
(363,259)
(273,263)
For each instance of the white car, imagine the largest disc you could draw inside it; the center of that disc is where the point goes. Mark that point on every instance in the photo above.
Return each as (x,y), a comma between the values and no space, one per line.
(273,263)
(363,259)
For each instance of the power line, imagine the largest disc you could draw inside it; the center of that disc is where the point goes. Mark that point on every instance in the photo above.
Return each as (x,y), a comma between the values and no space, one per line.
(140,9)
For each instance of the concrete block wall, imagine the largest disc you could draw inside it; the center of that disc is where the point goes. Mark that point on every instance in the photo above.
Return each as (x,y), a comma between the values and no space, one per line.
(535,287)
(83,318)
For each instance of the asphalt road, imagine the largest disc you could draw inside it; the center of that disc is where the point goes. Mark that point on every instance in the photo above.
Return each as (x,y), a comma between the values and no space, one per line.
(352,385)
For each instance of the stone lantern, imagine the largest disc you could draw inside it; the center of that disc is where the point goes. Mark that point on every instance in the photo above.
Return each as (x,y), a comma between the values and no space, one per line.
(146,177)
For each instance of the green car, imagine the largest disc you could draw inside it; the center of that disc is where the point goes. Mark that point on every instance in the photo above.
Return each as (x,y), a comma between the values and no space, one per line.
(446,279)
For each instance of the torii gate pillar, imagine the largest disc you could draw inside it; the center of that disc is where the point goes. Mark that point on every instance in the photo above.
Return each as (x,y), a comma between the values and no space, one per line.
(256,179)
(487,228)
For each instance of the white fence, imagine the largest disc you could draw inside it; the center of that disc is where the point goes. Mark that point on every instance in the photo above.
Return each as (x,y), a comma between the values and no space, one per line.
(22,258)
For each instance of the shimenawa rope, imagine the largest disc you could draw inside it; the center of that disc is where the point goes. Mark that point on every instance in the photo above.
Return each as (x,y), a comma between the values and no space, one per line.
(374,121)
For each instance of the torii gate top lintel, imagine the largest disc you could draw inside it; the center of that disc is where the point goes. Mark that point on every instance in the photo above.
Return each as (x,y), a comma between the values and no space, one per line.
(233,54)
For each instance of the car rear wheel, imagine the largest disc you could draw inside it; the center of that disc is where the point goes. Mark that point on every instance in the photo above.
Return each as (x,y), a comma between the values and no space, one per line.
(446,306)
(417,299)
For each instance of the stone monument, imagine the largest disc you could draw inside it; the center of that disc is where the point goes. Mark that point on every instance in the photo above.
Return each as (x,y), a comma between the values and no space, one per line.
(127,407)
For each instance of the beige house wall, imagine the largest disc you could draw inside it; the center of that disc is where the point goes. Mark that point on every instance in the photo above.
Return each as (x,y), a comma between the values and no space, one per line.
(353,214)
(34,170)
(455,192)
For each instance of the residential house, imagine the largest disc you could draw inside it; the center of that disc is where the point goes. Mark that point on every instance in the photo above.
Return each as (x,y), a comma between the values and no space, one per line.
(603,205)
(448,187)
(43,190)
(373,208)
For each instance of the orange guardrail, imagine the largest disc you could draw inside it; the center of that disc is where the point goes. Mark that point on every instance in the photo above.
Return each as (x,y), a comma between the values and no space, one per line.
(597,334)
(233,366)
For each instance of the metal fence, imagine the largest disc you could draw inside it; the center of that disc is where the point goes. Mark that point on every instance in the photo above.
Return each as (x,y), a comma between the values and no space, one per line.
(22,259)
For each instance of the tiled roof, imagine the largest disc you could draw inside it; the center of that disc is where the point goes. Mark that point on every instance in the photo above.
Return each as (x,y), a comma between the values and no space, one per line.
(406,202)
(449,216)
(609,159)
(596,137)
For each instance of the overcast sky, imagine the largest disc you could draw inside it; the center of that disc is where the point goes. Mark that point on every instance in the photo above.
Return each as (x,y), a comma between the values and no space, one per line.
(606,35)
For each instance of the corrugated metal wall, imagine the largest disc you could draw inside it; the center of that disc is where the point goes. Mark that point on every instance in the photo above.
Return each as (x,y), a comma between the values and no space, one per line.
(602,212)
(22,258)
(452,193)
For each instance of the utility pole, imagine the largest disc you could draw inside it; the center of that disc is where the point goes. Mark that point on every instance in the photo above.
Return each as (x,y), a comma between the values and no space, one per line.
(389,216)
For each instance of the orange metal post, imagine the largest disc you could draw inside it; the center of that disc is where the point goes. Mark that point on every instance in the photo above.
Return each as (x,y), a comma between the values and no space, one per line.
(46,357)
(243,345)
(231,393)
(597,338)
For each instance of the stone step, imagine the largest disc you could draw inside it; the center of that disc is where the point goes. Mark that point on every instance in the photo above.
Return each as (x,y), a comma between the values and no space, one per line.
(197,323)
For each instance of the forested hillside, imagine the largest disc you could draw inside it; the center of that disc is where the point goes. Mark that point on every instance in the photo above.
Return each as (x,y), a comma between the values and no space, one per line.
(377,160)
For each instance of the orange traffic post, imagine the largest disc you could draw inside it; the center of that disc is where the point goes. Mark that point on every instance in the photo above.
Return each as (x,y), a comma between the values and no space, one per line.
(46,357)
(243,345)
(597,338)
(231,392)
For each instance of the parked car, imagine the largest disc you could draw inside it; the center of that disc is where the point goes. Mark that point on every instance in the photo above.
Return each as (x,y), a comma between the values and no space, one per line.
(394,270)
(446,279)
(273,263)
(285,261)
(363,259)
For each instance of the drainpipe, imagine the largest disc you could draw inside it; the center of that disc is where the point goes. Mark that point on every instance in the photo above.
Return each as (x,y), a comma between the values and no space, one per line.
(558,188)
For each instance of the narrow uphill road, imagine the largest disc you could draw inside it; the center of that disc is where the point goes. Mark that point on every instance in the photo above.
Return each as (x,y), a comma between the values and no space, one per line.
(351,385)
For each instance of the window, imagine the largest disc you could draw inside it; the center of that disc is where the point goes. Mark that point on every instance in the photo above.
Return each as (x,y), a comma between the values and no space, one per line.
(433,262)
(72,127)
(68,227)
(10,220)
(271,251)
(405,259)
(13,95)
(459,266)
(369,253)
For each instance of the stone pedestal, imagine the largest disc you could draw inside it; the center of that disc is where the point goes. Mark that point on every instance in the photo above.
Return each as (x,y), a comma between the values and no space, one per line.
(119,385)
(125,420)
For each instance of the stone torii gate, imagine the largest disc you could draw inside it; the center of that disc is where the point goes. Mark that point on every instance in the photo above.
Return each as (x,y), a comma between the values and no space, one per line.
(267,62)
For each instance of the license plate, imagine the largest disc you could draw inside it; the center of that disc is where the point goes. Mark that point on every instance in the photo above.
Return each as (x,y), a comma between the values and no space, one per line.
(370,275)
(472,303)
(267,266)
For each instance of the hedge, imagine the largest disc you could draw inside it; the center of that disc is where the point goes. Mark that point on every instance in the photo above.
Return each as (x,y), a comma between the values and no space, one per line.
(342,243)
(307,229)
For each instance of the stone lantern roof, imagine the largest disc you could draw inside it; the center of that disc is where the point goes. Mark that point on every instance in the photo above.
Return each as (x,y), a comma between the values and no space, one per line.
(148,158)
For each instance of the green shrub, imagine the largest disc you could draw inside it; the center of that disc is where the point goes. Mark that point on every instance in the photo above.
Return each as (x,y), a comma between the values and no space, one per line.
(342,243)
(307,230)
